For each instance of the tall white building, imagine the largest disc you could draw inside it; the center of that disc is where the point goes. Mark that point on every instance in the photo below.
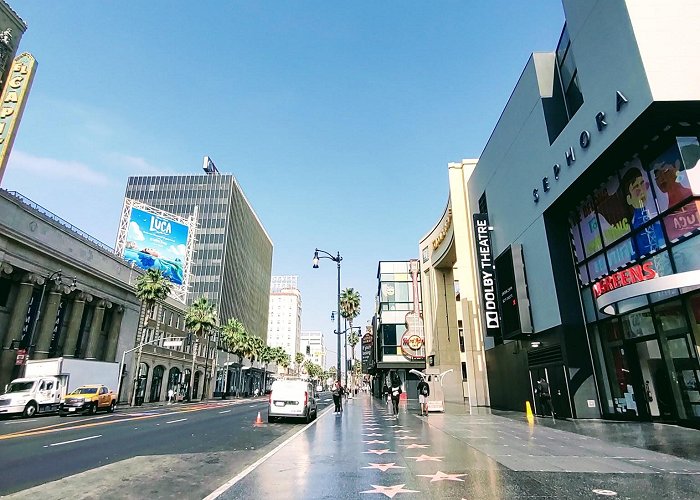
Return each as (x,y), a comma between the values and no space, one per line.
(312,347)
(284,320)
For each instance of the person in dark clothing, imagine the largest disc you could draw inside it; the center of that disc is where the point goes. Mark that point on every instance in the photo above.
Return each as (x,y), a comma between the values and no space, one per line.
(395,395)
(545,397)
(337,397)
(423,393)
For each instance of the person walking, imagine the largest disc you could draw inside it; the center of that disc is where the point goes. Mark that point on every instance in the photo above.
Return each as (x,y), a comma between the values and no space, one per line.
(337,395)
(396,395)
(423,393)
(545,397)
(171,395)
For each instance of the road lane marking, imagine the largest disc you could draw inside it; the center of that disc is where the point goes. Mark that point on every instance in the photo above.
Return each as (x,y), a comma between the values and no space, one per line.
(178,420)
(73,441)
(225,411)
(229,484)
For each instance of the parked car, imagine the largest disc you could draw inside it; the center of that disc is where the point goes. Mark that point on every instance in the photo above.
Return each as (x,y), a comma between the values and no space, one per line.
(292,398)
(88,399)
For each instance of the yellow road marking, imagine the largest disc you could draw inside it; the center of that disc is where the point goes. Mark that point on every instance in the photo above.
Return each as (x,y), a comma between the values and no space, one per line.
(55,428)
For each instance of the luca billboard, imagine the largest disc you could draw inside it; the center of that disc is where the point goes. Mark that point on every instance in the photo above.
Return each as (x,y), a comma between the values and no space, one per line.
(155,242)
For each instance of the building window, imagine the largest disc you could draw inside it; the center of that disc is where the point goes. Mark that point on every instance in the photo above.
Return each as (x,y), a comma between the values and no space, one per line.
(5,286)
(464,370)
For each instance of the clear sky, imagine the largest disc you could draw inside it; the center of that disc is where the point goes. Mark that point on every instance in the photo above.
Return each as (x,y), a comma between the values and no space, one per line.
(337,118)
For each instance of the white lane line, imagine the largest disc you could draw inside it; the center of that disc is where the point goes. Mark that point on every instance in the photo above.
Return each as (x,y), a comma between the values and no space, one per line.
(178,420)
(225,411)
(227,485)
(73,441)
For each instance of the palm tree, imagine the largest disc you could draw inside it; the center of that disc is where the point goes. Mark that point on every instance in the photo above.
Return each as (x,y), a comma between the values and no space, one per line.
(256,348)
(353,340)
(237,342)
(151,288)
(266,356)
(349,309)
(283,358)
(199,317)
(298,359)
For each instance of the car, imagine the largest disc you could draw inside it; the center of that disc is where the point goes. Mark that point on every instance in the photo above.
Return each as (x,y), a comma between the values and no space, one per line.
(293,399)
(88,399)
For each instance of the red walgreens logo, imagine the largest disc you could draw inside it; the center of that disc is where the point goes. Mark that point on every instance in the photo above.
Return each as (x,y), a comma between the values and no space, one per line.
(628,276)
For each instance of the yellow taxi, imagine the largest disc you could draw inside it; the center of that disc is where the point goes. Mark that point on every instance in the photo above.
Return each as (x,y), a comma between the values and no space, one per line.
(88,399)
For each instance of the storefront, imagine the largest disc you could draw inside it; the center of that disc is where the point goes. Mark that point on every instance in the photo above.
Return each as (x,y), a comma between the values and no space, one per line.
(637,250)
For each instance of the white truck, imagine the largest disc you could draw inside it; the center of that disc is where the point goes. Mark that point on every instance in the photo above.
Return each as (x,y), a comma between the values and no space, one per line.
(47,381)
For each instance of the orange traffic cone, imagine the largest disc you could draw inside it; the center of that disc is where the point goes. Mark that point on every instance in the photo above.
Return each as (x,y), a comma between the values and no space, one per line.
(258,421)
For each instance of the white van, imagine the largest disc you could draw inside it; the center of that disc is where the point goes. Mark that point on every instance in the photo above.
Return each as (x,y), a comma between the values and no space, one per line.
(292,398)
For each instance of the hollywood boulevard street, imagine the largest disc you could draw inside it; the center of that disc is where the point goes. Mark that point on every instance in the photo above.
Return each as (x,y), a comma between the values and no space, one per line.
(181,450)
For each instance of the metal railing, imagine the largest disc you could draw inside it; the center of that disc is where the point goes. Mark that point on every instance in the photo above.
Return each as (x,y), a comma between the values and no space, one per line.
(47,213)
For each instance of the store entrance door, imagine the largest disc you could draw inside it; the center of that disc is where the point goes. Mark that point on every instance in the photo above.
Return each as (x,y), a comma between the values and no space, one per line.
(652,387)
(555,376)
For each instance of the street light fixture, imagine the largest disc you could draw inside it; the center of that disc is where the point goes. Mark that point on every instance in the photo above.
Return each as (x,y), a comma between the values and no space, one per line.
(337,259)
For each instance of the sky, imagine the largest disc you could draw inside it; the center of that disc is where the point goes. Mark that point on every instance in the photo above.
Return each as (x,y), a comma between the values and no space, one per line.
(338,119)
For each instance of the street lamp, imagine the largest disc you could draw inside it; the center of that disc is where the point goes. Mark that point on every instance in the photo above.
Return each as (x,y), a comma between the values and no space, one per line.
(337,259)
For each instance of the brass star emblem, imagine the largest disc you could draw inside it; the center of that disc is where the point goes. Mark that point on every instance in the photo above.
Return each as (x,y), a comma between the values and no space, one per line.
(379,452)
(375,441)
(373,434)
(414,445)
(389,491)
(441,476)
(427,458)
(383,467)
(403,438)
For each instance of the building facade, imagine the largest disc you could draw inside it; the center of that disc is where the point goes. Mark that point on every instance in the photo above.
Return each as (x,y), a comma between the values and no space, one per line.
(312,346)
(397,349)
(587,196)
(453,330)
(232,261)
(284,319)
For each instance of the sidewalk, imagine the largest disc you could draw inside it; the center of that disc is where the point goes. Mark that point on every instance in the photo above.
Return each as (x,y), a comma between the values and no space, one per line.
(365,453)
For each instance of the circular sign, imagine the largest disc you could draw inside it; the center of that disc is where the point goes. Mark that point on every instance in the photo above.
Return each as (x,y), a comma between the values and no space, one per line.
(415,342)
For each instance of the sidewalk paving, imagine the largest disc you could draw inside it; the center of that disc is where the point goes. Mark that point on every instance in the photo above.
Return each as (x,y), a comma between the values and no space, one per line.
(367,453)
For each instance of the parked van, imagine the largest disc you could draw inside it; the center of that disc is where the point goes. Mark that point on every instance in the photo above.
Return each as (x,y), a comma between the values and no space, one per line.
(292,398)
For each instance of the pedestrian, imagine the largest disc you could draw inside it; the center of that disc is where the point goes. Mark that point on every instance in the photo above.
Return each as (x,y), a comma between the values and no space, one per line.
(423,393)
(337,390)
(171,395)
(395,395)
(545,397)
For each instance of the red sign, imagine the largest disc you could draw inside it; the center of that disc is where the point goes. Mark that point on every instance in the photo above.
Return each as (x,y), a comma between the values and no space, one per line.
(21,357)
(628,276)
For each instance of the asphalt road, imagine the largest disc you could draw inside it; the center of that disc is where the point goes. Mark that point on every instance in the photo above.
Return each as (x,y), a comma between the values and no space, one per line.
(163,446)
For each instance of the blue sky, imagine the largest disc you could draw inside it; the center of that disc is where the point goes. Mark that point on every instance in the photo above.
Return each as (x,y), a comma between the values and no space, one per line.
(337,118)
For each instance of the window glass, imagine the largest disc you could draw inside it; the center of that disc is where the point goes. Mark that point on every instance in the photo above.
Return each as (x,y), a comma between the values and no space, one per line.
(621,254)
(632,303)
(683,221)
(590,235)
(573,96)
(588,305)
(661,263)
(597,267)
(669,174)
(613,211)
(638,324)
(568,70)
(671,318)
(686,255)
(583,274)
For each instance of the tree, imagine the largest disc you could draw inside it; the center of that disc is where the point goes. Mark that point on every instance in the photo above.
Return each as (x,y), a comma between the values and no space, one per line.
(257,346)
(151,288)
(200,317)
(236,339)
(283,358)
(267,355)
(298,359)
(350,308)
(353,340)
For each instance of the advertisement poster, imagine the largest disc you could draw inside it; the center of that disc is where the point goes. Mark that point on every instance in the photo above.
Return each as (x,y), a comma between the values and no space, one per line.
(157,243)
(590,232)
(675,173)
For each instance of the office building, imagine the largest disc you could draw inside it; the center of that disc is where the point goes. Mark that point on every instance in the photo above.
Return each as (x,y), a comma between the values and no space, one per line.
(312,347)
(232,261)
(284,320)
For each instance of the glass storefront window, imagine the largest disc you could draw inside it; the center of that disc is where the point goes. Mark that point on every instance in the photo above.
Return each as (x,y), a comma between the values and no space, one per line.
(612,211)
(589,305)
(611,330)
(687,369)
(638,324)
(669,173)
(620,382)
(621,254)
(686,255)
(661,263)
(590,233)
(632,303)
(603,381)
(597,267)
(671,318)
(683,221)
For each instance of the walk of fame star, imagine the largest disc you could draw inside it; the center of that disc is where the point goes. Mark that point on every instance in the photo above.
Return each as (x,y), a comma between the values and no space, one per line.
(441,476)
(400,430)
(375,441)
(427,458)
(389,491)
(373,434)
(403,438)
(384,467)
(379,452)
(414,445)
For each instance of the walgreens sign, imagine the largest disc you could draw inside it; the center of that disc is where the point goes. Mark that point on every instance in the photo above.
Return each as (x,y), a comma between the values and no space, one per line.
(629,276)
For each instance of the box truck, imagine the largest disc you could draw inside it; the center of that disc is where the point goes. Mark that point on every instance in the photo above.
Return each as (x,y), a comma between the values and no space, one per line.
(47,381)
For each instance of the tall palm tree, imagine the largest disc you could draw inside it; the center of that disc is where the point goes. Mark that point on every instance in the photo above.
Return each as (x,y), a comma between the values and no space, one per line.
(236,338)
(235,333)
(349,309)
(353,340)
(298,359)
(200,317)
(266,356)
(151,288)
(283,358)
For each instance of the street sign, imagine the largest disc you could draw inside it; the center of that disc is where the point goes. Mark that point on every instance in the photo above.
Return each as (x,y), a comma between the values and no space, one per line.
(21,357)
(172,343)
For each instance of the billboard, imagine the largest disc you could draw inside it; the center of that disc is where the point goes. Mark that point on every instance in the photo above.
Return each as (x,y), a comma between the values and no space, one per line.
(154,242)
(150,238)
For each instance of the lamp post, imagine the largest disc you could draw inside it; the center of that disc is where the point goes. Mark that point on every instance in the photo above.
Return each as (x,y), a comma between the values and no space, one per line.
(337,259)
